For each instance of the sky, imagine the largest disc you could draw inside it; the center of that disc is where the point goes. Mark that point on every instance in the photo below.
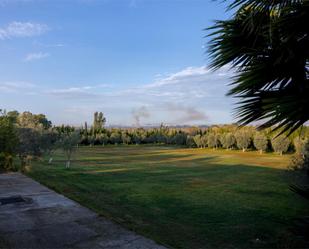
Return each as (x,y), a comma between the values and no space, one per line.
(138,61)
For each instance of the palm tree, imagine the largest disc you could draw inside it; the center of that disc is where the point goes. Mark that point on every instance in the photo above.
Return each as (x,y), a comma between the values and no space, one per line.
(267,43)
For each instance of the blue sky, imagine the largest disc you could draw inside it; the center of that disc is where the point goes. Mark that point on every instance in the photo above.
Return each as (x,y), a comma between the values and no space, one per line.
(138,61)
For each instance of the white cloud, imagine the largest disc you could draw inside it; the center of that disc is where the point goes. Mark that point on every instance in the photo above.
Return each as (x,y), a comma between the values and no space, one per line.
(36,56)
(80,92)
(83,92)
(15,86)
(194,95)
(22,29)
(48,45)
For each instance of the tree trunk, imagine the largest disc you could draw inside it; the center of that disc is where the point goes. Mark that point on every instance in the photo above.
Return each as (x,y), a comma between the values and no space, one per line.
(67,165)
(50,160)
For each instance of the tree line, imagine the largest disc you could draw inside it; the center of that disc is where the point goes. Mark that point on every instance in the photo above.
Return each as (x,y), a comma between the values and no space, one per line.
(27,136)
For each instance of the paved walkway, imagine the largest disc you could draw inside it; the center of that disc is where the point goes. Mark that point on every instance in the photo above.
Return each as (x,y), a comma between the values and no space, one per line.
(45,219)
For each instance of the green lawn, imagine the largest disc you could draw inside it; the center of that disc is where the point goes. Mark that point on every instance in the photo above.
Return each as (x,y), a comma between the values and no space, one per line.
(184,198)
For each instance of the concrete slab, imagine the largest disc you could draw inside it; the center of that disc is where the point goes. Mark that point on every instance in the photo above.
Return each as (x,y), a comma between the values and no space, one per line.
(50,220)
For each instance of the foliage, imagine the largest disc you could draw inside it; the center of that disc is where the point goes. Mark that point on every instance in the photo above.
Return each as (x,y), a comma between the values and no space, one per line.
(228,140)
(28,146)
(115,138)
(204,140)
(98,121)
(33,121)
(126,139)
(267,43)
(300,145)
(213,140)
(48,143)
(300,160)
(280,144)
(260,142)
(190,141)
(243,139)
(8,142)
(68,143)
(197,140)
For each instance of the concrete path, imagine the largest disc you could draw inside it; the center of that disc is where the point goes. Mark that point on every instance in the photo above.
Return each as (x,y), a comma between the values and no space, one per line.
(45,219)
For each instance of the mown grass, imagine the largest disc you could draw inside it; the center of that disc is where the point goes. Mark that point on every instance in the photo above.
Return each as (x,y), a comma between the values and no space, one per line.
(184,198)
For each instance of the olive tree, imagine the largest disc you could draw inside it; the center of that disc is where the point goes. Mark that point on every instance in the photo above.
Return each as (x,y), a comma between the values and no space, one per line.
(68,143)
(243,139)
(280,144)
(204,140)
(126,139)
(260,142)
(190,141)
(48,143)
(197,140)
(28,146)
(115,138)
(228,140)
(213,140)
(300,145)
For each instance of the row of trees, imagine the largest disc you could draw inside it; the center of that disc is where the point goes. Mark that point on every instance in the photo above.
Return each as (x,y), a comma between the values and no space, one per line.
(27,135)
(226,136)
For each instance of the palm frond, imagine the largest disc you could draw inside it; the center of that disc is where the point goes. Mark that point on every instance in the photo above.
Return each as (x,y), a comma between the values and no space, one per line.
(267,42)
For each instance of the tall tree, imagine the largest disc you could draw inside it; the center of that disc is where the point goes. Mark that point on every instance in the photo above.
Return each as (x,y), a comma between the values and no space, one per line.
(267,42)
(98,121)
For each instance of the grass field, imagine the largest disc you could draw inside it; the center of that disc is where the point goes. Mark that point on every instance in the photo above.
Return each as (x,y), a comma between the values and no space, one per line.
(184,198)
